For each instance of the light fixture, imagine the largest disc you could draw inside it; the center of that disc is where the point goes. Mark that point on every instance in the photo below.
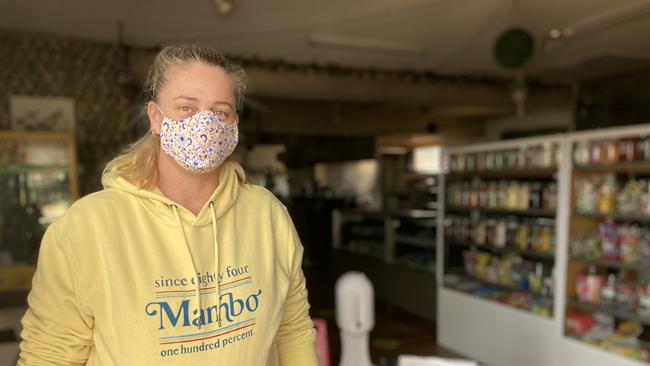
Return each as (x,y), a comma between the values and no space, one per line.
(224,6)
(555,33)
(602,21)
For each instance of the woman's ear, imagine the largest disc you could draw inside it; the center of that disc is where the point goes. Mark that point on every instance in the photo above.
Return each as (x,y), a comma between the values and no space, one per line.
(155,117)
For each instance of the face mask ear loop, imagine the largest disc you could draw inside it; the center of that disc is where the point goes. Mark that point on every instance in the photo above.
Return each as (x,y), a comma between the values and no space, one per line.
(160,110)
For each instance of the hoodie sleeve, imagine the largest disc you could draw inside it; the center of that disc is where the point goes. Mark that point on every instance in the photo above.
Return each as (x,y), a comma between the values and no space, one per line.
(55,330)
(296,335)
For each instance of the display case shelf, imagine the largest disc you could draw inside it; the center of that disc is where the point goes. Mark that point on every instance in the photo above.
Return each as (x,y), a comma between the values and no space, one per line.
(468,279)
(641,218)
(612,347)
(642,167)
(416,242)
(416,266)
(639,267)
(414,213)
(548,173)
(499,294)
(502,212)
(25,168)
(549,256)
(614,312)
(370,254)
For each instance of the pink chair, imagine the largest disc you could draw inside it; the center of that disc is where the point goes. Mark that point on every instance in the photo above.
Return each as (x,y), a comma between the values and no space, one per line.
(322,343)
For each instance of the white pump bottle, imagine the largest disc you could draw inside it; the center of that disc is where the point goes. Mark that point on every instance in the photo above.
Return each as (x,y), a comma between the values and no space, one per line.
(355,316)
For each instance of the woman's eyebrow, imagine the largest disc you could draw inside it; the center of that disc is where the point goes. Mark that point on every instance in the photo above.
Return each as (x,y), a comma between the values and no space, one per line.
(186,97)
(222,103)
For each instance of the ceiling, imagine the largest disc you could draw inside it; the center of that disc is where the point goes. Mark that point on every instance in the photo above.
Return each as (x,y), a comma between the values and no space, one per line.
(443,36)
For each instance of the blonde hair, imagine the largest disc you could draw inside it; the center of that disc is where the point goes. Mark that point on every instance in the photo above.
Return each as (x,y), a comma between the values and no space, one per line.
(138,163)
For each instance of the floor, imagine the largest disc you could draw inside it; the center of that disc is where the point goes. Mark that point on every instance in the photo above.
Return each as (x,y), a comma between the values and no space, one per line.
(396,332)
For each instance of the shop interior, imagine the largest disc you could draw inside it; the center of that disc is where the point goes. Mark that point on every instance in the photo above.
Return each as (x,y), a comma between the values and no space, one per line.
(484,165)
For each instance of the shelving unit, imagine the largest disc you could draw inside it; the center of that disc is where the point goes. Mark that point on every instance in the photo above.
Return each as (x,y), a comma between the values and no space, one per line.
(392,249)
(412,238)
(403,237)
(38,182)
(481,226)
(405,252)
(608,240)
(361,233)
(606,267)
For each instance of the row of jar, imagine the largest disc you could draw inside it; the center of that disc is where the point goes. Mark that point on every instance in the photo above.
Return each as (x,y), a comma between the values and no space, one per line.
(627,243)
(543,156)
(503,194)
(602,193)
(521,233)
(612,151)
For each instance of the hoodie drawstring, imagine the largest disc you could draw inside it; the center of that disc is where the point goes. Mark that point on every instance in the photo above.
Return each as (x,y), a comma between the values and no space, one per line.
(197,291)
(216,261)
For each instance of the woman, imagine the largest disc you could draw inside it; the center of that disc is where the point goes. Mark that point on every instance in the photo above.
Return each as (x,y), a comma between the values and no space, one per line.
(177,261)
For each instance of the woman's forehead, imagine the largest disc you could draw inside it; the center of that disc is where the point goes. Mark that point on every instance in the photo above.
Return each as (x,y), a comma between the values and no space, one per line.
(198,81)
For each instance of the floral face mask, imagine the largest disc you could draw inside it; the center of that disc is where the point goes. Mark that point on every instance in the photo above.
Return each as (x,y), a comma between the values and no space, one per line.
(199,143)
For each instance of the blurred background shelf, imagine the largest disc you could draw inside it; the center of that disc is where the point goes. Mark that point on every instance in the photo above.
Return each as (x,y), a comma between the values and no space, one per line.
(502,212)
(506,250)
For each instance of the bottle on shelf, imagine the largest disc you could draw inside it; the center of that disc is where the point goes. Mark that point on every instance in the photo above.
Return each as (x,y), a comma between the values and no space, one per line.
(644,298)
(588,286)
(608,291)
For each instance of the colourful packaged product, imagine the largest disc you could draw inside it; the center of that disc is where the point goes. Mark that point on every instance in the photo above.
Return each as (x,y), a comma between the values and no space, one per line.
(630,243)
(609,240)
(627,297)
(579,324)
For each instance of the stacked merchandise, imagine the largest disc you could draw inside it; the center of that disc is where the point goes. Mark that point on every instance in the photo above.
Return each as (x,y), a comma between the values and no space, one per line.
(608,283)
(521,234)
(500,224)
(508,279)
(610,310)
(625,243)
(542,156)
(503,195)
(612,151)
(604,194)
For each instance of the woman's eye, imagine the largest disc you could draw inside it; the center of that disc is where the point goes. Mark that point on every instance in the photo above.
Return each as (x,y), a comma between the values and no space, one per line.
(185,109)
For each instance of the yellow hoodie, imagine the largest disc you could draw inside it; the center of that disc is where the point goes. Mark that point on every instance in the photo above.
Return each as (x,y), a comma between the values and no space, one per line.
(128,277)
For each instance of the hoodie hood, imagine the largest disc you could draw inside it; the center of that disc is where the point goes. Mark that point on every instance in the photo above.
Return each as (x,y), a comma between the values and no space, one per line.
(231,176)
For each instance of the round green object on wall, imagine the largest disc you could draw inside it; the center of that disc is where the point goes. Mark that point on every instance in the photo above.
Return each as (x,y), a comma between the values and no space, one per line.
(514,48)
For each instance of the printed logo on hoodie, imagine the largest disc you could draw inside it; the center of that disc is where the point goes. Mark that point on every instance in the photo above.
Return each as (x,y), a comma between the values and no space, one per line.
(218,318)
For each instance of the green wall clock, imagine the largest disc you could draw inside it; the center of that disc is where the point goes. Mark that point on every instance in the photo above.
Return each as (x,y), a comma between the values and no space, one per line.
(514,48)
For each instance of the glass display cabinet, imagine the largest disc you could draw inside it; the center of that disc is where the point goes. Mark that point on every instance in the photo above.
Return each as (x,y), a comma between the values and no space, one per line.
(38,183)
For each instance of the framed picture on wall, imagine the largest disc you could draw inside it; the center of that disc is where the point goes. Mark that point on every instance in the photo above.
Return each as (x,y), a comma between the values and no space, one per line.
(30,113)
